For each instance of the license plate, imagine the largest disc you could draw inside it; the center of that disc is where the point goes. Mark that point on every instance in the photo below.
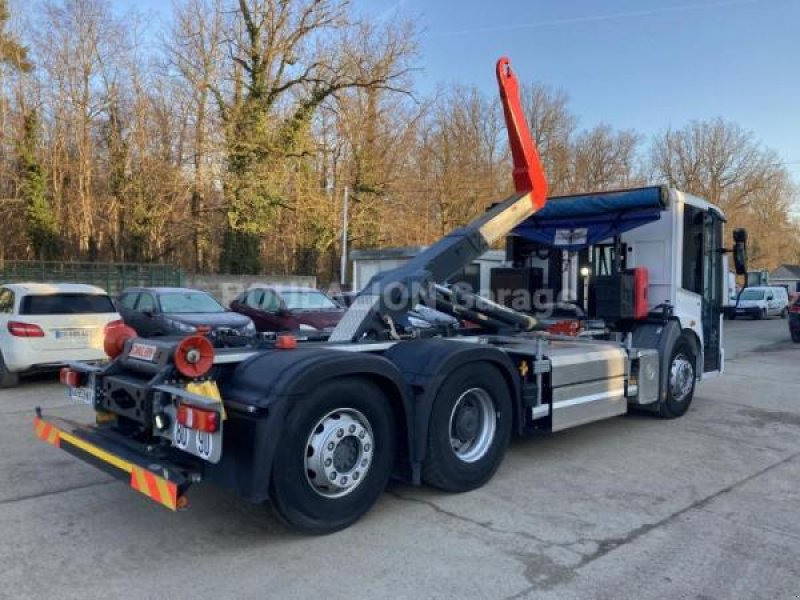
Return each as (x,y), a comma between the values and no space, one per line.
(71,334)
(143,352)
(83,395)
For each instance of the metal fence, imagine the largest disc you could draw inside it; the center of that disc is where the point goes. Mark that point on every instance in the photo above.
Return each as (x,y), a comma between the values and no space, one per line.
(113,277)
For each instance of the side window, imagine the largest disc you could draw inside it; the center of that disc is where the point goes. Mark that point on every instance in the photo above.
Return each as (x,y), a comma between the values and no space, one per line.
(692,275)
(271,301)
(6,301)
(129,301)
(146,303)
(254,298)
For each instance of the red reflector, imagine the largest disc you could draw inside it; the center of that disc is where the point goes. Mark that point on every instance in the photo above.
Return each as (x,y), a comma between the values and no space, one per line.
(18,329)
(286,342)
(200,419)
(71,378)
(203,329)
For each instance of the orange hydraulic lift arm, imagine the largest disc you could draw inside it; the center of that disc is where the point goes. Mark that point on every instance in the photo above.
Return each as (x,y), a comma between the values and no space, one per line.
(392,293)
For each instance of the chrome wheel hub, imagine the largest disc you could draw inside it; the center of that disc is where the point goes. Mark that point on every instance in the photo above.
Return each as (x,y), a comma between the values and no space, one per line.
(681,377)
(339,452)
(473,424)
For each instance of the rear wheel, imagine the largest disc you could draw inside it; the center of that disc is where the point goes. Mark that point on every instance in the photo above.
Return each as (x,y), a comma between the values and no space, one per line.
(469,429)
(335,456)
(7,378)
(680,381)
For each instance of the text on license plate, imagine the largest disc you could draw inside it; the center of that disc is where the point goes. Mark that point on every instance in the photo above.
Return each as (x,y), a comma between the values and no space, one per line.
(142,351)
(81,394)
(66,334)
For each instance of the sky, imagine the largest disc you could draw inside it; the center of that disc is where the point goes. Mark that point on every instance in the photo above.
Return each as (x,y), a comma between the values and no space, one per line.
(634,64)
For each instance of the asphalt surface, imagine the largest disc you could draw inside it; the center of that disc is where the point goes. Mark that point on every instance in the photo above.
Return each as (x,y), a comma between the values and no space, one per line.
(703,507)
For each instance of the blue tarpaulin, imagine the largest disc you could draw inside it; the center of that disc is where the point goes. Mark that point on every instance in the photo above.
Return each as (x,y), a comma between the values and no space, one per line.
(574,222)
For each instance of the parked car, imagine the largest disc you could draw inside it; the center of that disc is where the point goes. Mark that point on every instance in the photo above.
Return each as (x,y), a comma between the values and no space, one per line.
(794,320)
(762,302)
(166,311)
(43,325)
(305,311)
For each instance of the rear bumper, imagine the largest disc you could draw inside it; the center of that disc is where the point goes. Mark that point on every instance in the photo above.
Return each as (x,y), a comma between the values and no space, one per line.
(162,482)
(20,357)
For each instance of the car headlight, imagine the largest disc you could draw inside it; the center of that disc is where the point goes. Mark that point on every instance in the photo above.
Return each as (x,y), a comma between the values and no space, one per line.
(181,326)
(304,327)
(249,329)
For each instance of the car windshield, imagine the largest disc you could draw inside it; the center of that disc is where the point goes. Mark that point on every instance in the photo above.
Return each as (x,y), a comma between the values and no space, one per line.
(189,302)
(66,304)
(752,295)
(302,300)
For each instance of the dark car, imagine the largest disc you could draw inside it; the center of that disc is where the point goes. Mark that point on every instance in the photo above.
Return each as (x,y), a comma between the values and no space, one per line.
(305,311)
(794,320)
(177,311)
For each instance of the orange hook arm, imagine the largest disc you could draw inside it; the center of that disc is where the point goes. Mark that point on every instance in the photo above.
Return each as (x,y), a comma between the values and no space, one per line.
(528,172)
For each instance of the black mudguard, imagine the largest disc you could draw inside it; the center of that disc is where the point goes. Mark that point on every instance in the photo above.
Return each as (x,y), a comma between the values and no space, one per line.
(260,391)
(425,364)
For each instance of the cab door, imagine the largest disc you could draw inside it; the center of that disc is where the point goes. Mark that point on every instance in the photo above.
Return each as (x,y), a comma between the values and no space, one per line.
(712,291)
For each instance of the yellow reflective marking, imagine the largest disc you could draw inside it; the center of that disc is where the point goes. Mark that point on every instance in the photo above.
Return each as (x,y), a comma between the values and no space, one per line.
(163,489)
(95,451)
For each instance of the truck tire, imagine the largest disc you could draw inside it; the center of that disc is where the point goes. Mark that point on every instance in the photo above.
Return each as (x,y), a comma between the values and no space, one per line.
(335,456)
(680,381)
(469,429)
(7,378)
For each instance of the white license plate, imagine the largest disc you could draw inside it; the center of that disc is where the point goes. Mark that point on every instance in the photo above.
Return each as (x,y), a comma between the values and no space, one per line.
(83,395)
(143,351)
(71,334)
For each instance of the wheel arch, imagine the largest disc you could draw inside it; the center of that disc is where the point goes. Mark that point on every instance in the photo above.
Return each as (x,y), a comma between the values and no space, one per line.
(272,383)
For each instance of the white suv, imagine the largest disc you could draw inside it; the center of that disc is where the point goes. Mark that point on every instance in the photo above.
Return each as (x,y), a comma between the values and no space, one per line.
(43,325)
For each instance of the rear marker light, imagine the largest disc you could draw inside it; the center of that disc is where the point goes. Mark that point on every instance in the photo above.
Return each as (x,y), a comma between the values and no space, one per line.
(69,377)
(19,329)
(286,342)
(200,419)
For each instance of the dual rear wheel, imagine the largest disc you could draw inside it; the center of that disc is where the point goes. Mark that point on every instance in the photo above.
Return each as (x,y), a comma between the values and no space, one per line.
(337,452)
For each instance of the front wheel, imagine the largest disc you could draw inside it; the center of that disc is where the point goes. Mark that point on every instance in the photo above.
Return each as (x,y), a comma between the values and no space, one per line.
(335,456)
(680,381)
(469,429)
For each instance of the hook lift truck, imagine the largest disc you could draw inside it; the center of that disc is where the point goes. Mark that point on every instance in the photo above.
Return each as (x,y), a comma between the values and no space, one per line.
(318,428)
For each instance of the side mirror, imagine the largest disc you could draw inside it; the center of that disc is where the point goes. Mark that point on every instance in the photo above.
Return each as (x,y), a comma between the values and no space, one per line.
(740,251)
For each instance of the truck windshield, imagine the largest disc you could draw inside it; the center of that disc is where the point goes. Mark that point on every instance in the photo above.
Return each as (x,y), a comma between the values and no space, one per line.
(189,302)
(301,300)
(752,295)
(66,304)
